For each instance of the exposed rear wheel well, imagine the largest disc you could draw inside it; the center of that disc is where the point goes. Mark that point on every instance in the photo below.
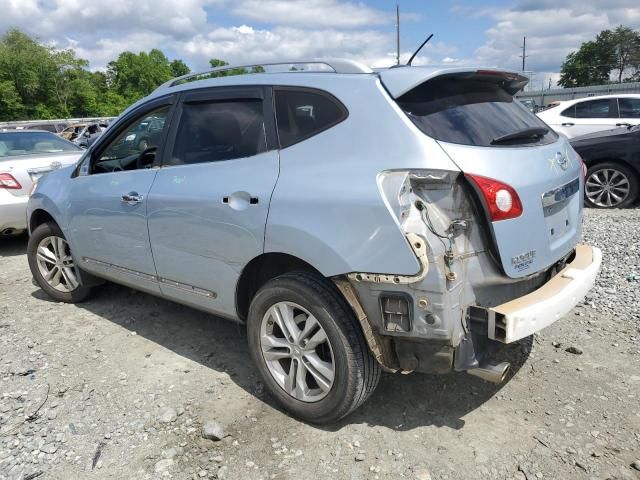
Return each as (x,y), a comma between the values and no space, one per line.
(38,217)
(259,271)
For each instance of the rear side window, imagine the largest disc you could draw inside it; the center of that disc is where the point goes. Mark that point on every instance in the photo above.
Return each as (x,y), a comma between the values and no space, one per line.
(219,130)
(303,113)
(629,107)
(470,112)
(593,109)
(569,112)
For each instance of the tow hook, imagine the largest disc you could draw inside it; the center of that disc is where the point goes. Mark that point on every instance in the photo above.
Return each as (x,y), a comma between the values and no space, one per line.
(491,373)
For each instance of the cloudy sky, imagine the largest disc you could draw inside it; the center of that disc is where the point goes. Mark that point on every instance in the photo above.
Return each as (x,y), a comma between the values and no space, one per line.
(484,32)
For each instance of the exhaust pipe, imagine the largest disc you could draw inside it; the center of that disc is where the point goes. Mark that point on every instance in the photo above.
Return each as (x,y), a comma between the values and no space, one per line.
(491,373)
(8,231)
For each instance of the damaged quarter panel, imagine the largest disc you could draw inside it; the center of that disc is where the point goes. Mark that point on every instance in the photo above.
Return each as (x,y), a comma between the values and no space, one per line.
(330,180)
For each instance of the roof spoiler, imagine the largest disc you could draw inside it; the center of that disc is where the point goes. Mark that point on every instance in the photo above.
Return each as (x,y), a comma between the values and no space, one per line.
(399,81)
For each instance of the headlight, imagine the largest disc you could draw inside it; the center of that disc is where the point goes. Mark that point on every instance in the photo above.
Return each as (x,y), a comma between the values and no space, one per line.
(130,138)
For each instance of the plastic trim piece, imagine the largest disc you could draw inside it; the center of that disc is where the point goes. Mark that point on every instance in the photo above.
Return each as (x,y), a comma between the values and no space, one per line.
(531,313)
(419,247)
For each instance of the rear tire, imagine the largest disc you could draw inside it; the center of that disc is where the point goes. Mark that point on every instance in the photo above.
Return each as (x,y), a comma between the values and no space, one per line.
(53,266)
(610,185)
(346,373)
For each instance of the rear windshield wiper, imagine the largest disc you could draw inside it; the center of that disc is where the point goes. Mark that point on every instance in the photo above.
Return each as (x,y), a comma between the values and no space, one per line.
(527,133)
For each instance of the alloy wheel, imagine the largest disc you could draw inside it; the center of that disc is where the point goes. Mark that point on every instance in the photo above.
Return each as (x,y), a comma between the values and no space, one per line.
(55,264)
(297,352)
(607,187)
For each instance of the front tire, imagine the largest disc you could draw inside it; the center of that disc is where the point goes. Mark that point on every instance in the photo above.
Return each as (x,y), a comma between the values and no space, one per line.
(53,266)
(610,185)
(309,348)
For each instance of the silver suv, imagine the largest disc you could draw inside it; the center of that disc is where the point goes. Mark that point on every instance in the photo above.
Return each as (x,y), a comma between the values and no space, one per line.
(409,219)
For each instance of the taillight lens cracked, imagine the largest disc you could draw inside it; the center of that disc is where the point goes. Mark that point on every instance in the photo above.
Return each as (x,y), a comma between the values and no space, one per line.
(501,200)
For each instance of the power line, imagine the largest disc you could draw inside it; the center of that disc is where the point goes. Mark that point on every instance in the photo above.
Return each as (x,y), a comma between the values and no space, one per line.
(524,52)
(397,34)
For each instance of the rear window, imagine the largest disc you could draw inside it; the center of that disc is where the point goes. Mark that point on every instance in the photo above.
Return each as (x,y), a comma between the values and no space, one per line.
(303,113)
(470,112)
(629,107)
(33,143)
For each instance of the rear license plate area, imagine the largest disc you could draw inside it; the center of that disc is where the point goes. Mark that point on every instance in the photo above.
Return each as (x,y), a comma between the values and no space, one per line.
(556,204)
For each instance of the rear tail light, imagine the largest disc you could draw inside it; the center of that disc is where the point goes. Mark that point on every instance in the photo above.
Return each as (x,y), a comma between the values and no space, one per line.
(584,169)
(502,201)
(7,181)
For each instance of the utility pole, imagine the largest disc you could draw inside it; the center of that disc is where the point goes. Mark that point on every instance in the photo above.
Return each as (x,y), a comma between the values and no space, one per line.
(524,52)
(397,34)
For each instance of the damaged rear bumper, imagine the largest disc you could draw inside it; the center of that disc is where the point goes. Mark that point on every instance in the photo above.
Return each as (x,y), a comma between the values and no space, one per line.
(526,315)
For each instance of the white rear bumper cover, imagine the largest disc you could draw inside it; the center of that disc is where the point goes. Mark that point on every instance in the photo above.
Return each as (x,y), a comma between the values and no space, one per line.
(531,313)
(13,211)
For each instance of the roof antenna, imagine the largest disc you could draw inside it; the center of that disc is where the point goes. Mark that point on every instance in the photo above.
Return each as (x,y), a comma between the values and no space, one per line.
(418,50)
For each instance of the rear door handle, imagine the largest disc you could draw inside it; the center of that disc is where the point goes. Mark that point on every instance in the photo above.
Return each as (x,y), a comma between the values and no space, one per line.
(239,200)
(568,124)
(623,124)
(132,198)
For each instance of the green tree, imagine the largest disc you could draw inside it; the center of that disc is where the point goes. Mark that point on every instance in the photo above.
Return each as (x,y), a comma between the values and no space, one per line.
(179,68)
(135,75)
(612,53)
(216,63)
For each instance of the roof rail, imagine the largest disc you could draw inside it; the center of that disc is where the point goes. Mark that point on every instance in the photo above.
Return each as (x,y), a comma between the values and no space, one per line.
(338,65)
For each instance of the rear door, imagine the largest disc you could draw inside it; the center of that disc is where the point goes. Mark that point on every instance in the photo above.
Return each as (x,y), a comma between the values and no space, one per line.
(474,118)
(595,116)
(208,206)
(629,111)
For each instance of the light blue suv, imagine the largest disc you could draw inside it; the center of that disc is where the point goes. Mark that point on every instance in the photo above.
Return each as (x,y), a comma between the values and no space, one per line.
(409,219)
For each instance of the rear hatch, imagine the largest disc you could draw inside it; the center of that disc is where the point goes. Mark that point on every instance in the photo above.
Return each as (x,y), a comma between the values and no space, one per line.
(488,133)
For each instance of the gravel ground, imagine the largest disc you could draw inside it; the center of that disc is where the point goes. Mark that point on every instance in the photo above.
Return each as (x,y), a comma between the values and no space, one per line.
(122,385)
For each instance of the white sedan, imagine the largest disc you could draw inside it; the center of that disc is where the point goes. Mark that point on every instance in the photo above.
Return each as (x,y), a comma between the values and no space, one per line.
(25,156)
(593,114)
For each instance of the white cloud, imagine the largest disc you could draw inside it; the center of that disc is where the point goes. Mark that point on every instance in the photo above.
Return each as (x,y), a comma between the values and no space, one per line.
(311,13)
(553,29)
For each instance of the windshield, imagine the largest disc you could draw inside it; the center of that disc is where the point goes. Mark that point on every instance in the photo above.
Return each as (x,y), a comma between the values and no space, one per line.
(472,112)
(33,143)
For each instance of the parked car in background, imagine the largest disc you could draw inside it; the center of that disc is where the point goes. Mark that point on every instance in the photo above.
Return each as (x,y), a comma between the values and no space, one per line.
(90,135)
(530,105)
(613,161)
(593,114)
(73,131)
(354,220)
(25,157)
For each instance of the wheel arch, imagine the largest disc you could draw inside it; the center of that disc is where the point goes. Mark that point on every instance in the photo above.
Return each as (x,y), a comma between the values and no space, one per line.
(38,217)
(262,269)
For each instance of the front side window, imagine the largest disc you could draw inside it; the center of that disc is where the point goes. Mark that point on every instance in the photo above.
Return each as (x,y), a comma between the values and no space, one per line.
(593,109)
(629,107)
(214,131)
(304,113)
(135,147)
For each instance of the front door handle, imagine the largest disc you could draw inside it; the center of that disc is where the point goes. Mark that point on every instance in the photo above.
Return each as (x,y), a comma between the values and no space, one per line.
(568,124)
(132,198)
(623,124)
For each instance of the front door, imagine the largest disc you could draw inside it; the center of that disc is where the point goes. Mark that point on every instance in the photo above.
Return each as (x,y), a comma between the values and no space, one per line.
(108,217)
(209,203)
